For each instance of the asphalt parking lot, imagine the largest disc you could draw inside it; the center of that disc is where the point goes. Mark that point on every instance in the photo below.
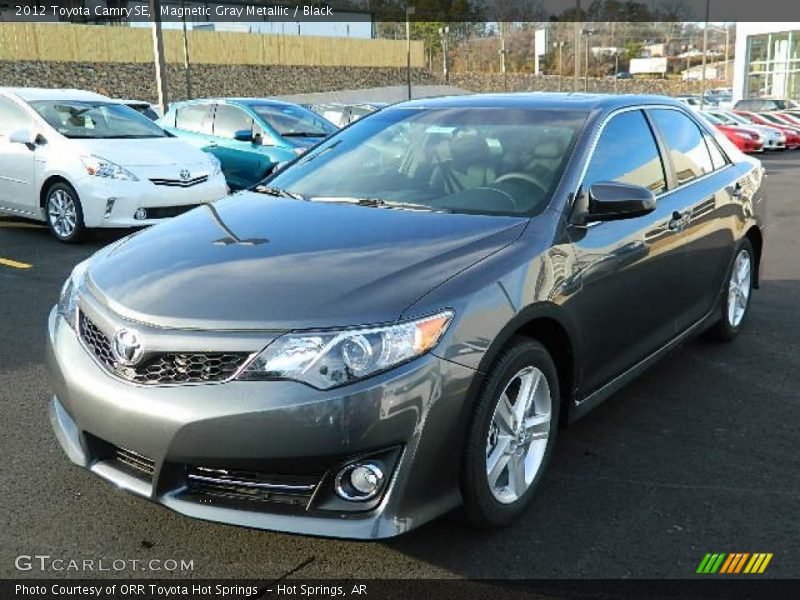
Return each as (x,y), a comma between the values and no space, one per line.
(698,455)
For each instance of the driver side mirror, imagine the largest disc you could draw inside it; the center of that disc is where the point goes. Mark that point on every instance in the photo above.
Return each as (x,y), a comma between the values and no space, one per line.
(23,136)
(243,135)
(611,201)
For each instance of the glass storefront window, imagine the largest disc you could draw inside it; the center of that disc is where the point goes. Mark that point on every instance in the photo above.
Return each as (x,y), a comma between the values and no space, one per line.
(773,65)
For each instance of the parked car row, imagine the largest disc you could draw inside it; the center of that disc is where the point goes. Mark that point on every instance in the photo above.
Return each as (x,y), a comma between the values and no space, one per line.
(79,160)
(757,131)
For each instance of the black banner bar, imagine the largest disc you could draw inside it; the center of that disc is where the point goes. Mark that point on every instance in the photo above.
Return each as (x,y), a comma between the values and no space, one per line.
(448,11)
(741,587)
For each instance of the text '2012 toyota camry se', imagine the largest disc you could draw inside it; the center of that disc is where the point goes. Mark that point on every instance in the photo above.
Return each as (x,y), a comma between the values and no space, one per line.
(397,322)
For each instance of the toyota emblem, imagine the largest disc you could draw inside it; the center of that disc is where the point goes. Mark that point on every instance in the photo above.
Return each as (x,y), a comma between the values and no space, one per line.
(185,175)
(126,347)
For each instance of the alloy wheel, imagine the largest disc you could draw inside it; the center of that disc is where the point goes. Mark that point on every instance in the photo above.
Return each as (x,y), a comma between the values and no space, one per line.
(739,288)
(62,213)
(518,434)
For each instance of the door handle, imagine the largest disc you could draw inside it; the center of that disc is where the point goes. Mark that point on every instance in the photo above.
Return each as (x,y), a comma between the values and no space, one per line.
(212,145)
(679,221)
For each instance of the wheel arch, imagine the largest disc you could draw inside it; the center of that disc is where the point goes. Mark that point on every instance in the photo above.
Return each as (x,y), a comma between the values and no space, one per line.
(49,181)
(549,325)
(756,240)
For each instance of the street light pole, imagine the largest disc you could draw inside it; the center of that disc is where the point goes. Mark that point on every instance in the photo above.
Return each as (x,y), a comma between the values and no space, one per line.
(158,56)
(410,10)
(727,47)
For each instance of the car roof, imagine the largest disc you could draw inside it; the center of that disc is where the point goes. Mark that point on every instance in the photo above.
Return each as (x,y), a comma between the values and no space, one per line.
(541,100)
(131,101)
(242,101)
(29,94)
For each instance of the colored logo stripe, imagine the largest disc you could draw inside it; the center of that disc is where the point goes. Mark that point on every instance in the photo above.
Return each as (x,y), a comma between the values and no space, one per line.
(734,563)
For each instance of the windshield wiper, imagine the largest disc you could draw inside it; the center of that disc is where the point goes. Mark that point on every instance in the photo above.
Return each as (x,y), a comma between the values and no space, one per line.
(377,203)
(278,192)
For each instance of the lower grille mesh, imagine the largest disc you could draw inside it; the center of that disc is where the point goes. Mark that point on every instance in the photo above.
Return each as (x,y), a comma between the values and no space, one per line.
(249,486)
(166,368)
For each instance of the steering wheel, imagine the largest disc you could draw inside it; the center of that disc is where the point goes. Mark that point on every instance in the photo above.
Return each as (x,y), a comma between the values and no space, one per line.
(524,177)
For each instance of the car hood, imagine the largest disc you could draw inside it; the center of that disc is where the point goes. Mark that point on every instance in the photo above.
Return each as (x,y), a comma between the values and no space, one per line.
(253,261)
(145,152)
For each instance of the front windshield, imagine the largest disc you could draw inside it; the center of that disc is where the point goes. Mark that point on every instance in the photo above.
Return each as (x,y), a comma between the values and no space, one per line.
(772,118)
(474,160)
(716,120)
(290,120)
(96,120)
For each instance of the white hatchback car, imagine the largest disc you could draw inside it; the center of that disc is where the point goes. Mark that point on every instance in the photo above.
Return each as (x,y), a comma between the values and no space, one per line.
(79,160)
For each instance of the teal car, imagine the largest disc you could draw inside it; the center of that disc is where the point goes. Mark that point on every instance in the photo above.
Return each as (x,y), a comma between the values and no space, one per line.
(249,136)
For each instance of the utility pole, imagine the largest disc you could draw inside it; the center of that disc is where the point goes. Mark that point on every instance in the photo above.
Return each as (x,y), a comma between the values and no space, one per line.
(158,56)
(503,55)
(588,33)
(705,52)
(560,46)
(444,33)
(410,10)
(727,47)
(577,46)
(186,56)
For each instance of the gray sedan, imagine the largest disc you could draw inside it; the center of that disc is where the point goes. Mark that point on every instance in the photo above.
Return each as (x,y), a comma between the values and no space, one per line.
(399,321)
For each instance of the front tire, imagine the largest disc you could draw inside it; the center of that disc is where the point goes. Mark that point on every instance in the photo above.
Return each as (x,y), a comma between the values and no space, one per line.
(511,435)
(64,213)
(737,295)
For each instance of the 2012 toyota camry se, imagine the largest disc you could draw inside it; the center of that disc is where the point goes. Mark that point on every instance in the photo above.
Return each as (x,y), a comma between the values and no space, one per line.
(397,322)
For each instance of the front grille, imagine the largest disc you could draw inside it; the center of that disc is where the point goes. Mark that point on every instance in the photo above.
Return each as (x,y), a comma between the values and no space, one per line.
(247,486)
(167,212)
(164,368)
(184,183)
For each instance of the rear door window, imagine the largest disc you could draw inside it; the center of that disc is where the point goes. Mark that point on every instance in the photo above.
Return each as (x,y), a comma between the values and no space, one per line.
(230,119)
(196,118)
(627,153)
(685,144)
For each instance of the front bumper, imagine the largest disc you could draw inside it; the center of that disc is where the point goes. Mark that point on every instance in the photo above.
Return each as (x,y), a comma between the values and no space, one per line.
(269,427)
(128,196)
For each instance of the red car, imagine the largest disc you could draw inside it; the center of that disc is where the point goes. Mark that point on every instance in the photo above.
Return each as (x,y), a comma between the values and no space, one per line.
(746,140)
(792,133)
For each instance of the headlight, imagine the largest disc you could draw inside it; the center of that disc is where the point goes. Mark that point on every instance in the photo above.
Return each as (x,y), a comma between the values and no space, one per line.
(68,300)
(326,359)
(216,166)
(98,166)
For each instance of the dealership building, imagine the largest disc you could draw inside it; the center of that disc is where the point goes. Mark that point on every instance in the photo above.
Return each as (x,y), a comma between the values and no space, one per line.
(767,61)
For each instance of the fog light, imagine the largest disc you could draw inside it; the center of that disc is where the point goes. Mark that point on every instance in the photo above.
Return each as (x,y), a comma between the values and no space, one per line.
(140,214)
(358,482)
(109,207)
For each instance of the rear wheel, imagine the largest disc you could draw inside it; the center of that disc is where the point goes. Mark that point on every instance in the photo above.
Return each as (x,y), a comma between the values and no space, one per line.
(511,435)
(736,295)
(64,213)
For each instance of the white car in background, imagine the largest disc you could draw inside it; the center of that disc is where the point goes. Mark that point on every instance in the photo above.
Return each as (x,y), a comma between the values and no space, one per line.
(78,160)
(774,138)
